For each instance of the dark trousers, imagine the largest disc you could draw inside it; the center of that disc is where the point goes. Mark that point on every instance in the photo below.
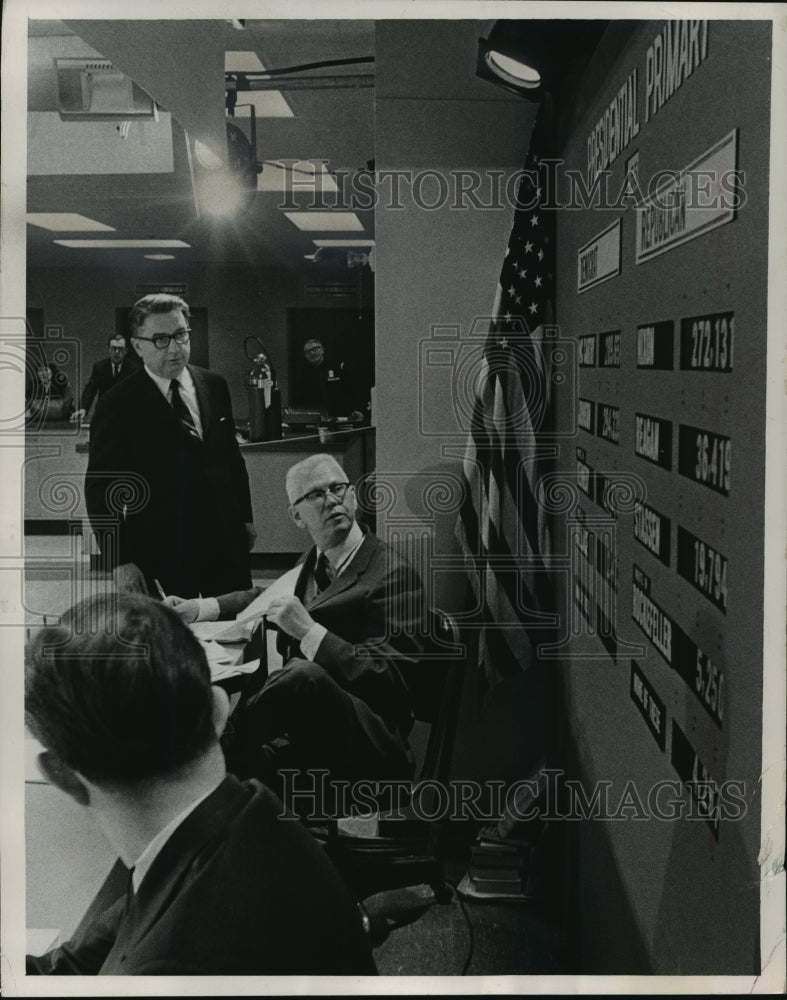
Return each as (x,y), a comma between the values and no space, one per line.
(302,719)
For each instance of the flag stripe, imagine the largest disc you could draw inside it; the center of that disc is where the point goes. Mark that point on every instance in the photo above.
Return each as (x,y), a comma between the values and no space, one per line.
(502,530)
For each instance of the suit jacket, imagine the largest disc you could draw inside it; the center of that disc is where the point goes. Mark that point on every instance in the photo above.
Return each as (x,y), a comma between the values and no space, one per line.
(238,889)
(157,497)
(101,379)
(374,613)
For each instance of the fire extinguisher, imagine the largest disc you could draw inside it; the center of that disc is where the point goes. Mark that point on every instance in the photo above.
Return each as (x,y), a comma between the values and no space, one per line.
(264,395)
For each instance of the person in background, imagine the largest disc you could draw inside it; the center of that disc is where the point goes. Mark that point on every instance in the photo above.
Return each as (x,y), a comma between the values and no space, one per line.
(106,373)
(339,390)
(212,877)
(49,395)
(350,622)
(166,488)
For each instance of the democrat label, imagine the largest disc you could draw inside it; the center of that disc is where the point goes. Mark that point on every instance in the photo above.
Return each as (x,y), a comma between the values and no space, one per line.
(655,346)
(609,349)
(652,530)
(706,342)
(650,706)
(599,260)
(704,567)
(691,203)
(705,457)
(653,439)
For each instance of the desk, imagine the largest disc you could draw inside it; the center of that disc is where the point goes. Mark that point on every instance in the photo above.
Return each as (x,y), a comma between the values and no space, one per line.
(267,463)
(56,462)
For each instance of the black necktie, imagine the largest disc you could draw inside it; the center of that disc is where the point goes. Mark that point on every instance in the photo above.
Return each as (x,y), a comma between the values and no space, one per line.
(181,410)
(322,573)
(115,370)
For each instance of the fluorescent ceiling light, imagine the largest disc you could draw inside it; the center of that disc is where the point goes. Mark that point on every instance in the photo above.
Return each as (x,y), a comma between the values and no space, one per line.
(328,222)
(242,62)
(67,222)
(301,177)
(159,256)
(344,243)
(267,104)
(122,244)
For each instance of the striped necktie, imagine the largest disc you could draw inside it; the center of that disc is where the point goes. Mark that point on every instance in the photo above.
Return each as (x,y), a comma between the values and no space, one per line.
(182,411)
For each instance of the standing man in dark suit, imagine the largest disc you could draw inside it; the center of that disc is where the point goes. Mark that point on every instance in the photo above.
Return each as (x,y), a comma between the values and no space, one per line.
(350,623)
(212,878)
(167,490)
(106,373)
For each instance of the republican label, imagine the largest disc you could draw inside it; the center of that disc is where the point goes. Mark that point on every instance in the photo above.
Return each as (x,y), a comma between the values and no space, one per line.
(706,342)
(655,346)
(652,530)
(704,567)
(705,457)
(608,424)
(650,706)
(653,439)
(609,349)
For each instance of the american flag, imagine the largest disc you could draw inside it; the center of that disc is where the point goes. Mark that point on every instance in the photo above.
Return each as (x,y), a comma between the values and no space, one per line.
(502,530)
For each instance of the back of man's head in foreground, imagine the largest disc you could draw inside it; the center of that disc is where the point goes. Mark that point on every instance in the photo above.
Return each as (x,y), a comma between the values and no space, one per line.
(120,691)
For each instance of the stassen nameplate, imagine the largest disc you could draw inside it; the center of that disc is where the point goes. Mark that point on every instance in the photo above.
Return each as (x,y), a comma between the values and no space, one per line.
(599,260)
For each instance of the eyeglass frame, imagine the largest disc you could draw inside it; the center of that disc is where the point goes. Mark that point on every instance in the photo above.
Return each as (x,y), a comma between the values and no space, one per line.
(184,335)
(324,491)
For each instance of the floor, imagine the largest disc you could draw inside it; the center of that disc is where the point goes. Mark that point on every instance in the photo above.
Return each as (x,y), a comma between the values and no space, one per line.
(412,933)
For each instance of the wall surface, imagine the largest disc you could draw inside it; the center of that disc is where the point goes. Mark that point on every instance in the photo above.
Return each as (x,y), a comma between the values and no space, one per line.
(438,263)
(665,525)
(241,301)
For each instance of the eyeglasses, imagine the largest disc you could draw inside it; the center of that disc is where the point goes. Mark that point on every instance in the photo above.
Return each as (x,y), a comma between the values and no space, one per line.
(337,490)
(162,340)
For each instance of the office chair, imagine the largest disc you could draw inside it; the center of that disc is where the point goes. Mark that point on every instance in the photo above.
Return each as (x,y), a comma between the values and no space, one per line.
(411,852)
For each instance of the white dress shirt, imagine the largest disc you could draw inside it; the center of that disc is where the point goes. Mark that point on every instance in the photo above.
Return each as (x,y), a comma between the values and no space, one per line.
(151,852)
(188,393)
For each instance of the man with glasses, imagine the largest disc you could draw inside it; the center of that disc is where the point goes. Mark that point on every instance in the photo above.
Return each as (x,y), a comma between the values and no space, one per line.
(166,489)
(351,615)
(106,374)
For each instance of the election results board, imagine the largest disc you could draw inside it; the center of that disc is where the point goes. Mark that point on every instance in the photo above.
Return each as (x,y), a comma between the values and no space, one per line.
(662,285)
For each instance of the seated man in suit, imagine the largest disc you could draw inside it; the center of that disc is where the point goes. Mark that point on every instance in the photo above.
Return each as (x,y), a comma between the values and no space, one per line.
(106,373)
(353,618)
(213,878)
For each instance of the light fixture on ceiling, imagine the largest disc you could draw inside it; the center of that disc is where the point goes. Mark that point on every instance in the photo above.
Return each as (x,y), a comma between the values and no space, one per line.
(67,222)
(93,90)
(531,57)
(159,256)
(224,188)
(122,244)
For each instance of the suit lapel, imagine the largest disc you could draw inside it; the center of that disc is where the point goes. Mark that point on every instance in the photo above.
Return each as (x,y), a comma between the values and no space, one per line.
(164,880)
(203,400)
(349,577)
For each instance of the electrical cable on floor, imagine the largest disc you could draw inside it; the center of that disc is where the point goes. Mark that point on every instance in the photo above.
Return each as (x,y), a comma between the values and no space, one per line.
(471,932)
